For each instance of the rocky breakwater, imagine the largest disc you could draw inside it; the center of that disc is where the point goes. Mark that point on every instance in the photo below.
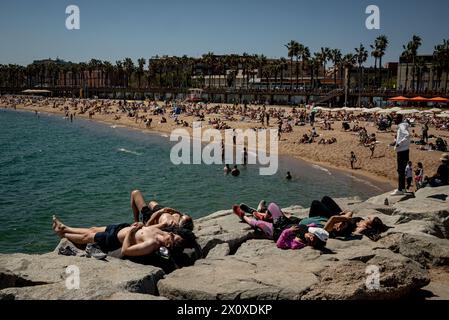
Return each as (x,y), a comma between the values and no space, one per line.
(412,259)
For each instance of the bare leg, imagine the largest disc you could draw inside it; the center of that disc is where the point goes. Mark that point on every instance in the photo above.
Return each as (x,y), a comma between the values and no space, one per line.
(137,203)
(80,238)
(62,229)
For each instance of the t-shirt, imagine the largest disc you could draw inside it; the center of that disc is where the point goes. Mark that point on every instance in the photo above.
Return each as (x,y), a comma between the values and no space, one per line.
(317,221)
(408,172)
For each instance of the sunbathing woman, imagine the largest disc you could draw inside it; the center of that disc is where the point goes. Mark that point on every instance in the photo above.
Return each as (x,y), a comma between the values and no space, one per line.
(287,233)
(154,214)
(323,214)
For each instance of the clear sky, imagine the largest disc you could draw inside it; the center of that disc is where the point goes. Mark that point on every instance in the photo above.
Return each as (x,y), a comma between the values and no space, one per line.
(115,29)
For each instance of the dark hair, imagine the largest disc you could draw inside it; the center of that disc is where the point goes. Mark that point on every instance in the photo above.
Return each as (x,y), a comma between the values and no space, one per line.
(377,227)
(188,237)
(187,223)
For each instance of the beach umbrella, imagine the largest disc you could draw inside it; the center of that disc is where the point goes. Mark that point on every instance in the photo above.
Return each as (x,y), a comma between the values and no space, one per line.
(376,109)
(411,111)
(419,99)
(443,115)
(395,109)
(439,100)
(399,99)
(433,110)
(385,111)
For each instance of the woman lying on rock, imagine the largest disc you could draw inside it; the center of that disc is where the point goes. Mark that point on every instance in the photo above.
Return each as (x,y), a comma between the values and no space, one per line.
(134,240)
(324,214)
(287,232)
(155,214)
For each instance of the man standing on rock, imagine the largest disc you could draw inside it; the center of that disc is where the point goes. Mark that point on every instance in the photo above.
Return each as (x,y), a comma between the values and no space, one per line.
(402,146)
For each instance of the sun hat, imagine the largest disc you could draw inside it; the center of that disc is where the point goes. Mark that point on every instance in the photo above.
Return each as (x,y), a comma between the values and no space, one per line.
(321,234)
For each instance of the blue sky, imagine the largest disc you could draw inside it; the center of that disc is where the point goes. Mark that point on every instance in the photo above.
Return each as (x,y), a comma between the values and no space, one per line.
(112,30)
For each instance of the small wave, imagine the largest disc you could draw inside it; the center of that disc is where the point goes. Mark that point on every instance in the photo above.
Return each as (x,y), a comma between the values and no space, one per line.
(322,169)
(115,127)
(129,151)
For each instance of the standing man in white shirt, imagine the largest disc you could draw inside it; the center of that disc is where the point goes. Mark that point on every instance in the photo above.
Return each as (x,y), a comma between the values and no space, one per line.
(402,147)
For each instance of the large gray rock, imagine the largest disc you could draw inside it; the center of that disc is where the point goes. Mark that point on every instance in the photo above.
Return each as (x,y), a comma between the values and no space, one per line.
(427,250)
(399,277)
(259,270)
(223,227)
(430,205)
(44,277)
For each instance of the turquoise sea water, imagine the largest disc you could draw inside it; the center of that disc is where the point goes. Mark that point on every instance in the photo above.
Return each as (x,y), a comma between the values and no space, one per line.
(84,172)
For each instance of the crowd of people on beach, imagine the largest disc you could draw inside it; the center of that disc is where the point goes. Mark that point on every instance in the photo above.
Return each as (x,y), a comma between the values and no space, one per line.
(162,230)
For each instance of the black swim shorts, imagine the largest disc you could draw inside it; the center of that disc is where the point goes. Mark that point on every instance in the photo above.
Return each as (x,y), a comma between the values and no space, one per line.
(147,212)
(108,240)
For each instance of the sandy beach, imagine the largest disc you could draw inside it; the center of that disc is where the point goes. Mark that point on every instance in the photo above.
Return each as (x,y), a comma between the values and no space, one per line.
(381,167)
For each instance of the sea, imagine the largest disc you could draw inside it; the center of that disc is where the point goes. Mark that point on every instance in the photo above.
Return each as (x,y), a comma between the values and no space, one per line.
(84,171)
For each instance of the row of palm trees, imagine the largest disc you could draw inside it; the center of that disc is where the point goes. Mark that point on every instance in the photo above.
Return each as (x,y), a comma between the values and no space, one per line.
(228,70)
(417,65)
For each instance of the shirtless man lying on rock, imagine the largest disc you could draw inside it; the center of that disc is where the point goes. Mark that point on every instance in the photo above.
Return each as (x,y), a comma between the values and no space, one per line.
(155,214)
(134,240)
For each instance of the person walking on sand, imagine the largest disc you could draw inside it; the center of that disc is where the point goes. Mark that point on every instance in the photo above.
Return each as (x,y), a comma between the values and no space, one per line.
(402,146)
(353,160)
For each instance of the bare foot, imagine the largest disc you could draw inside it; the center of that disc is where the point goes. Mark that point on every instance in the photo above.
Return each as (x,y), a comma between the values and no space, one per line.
(57,226)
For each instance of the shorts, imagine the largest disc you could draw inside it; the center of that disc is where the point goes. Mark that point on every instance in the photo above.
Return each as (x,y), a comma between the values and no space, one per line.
(108,240)
(146,212)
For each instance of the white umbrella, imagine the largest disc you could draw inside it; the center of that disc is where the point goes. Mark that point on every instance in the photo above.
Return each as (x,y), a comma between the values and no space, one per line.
(443,115)
(435,110)
(395,109)
(411,111)
(386,111)
(337,110)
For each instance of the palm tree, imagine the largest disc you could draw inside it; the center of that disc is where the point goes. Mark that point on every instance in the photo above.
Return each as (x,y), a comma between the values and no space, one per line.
(140,70)
(335,57)
(315,64)
(325,56)
(348,63)
(128,66)
(293,48)
(406,56)
(108,70)
(441,58)
(361,57)
(299,53)
(208,60)
(304,58)
(381,46)
(375,53)
(414,46)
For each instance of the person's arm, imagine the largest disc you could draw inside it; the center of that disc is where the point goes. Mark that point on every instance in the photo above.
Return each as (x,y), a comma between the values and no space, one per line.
(155,217)
(141,249)
(333,220)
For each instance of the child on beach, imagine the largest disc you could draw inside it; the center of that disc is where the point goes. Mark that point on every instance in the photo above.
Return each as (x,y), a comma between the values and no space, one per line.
(419,176)
(409,175)
(353,160)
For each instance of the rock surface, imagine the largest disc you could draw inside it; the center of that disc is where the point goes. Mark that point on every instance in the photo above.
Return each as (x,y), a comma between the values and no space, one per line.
(412,259)
(45,277)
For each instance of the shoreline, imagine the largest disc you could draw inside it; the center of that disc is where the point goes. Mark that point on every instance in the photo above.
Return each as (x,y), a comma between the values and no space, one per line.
(164,133)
